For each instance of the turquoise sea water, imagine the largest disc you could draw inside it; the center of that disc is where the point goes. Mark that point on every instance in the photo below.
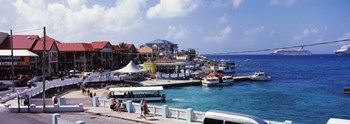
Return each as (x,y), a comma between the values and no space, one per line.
(304,89)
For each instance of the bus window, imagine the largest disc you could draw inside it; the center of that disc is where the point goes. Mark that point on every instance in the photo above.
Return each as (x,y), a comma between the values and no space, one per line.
(212,121)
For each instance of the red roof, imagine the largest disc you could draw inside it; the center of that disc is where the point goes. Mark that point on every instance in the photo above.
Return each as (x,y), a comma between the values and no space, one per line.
(49,42)
(98,45)
(74,47)
(20,42)
(129,45)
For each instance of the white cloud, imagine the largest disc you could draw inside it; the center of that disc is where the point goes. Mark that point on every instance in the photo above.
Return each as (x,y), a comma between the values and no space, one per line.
(272,33)
(254,31)
(236,3)
(306,32)
(283,2)
(172,8)
(223,19)
(345,36)
(76,18)
(177,32)
(76,4)
(297,37)
(313,30)
(220,36)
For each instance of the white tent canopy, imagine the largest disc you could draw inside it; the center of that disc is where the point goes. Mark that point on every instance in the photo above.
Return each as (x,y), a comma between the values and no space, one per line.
(130,68)
(18,53)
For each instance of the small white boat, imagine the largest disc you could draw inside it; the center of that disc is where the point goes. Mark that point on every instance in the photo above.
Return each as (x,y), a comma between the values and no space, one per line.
(226,66)
(260,76)
(344,50)
(215,79)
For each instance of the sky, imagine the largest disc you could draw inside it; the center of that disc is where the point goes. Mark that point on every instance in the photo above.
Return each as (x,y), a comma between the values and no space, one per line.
(210,26)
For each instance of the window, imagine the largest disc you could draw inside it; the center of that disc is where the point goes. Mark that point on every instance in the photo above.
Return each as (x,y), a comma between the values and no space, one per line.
(229,122)
(212,121)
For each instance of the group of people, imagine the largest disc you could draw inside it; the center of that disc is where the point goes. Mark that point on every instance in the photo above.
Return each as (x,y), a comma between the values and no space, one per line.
(88,92)
(117,105)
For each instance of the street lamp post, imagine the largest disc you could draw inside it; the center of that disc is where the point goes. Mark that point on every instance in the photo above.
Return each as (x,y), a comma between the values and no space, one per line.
(43,69)
(12,63)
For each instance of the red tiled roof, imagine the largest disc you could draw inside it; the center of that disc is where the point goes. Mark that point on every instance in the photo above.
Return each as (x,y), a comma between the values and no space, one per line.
(145,49)
(129,45)
(74,47)
(49,42)
(115,47)
(98,45)
(21,42)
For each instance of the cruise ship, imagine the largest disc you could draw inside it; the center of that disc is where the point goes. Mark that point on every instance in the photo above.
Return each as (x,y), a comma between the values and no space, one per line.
(344,50)
(292,52)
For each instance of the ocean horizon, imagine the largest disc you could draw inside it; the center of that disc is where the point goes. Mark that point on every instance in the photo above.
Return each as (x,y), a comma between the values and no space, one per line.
(304,89)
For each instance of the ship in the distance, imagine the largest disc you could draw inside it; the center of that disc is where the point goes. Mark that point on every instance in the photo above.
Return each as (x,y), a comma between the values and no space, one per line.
(344,50)
(292,52)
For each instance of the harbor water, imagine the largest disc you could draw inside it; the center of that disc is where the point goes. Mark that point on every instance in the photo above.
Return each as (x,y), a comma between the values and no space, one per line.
(304,89)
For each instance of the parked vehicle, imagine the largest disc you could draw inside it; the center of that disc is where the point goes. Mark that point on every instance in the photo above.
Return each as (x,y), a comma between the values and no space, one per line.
(4,86)
(35,80)
(21,82)
(222,117)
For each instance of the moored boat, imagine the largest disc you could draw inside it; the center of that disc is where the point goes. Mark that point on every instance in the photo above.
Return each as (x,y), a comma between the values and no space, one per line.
(216,79)
(226,66)
(260,76)
(136,94)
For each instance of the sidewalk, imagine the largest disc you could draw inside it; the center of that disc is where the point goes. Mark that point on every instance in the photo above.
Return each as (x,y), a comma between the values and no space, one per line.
(135,116)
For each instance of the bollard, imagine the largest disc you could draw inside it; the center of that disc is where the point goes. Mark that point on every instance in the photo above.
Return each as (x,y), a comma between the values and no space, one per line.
(129,106)
(54,118)
(80,122)
(95,102)
(287,122)
(165,111)
(61,101)
(189,114)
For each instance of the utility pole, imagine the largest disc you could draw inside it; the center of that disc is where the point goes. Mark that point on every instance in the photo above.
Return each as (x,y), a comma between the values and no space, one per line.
(43,68)
(12,64)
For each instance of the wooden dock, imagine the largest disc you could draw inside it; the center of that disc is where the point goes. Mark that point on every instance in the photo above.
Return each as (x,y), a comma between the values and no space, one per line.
(170,83)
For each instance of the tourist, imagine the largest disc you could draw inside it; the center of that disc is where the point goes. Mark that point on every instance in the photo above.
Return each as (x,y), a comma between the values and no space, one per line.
(145,107)
(94,94)
(121,105)
(54,99)
(88,91)
(90,94)
(114,103)
(141,107)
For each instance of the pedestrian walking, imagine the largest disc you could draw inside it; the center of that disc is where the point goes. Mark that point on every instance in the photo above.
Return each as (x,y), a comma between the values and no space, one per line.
(54,99)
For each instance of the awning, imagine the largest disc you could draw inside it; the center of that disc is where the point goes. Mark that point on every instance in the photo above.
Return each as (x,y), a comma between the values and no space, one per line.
(130,68)
(127,89)
(18,53)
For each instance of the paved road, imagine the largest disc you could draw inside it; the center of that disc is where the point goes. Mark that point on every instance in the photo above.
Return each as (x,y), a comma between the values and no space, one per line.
(45,118)
(13,118)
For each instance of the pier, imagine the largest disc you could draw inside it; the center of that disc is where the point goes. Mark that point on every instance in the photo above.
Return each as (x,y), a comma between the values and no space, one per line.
(170,83)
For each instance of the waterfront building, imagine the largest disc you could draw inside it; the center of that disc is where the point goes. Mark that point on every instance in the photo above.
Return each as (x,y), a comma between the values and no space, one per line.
(103,54)
(165,48)
(150,66)
(146,52)
(51,55)
(22,65)
(77,56)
